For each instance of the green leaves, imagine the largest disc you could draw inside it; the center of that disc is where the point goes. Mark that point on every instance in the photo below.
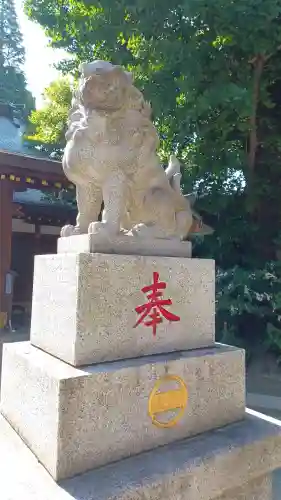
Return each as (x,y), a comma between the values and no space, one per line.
(48,125)
(12,81)
(11,46)
(254,299)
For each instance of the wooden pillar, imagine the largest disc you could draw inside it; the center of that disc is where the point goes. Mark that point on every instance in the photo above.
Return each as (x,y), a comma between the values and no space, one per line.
(6,210)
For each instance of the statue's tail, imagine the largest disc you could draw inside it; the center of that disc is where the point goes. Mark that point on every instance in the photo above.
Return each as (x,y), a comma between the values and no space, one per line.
(173,167)
(173,173)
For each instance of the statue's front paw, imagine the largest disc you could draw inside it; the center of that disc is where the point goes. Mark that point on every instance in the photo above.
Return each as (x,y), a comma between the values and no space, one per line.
(103,228)
(97,227)
(143,231)
(69,231)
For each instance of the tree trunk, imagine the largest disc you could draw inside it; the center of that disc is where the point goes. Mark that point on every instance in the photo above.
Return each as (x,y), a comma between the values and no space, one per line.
(253,139)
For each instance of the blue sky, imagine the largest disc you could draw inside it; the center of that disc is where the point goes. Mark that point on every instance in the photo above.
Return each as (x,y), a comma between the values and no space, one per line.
(39,57)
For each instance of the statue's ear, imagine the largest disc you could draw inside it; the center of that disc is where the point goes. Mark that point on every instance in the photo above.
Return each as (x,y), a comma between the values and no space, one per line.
(121,75)
(191,197)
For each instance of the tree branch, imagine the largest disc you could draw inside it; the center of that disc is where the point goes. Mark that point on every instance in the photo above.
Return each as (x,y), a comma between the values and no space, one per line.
(265,57)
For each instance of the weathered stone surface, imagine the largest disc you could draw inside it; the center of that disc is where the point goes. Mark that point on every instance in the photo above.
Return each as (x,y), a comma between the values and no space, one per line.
(77,419)
(124,245)
(258,489)
(202,468)
(84,306)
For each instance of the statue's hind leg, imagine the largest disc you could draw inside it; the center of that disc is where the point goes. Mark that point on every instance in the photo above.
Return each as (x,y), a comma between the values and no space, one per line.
(89,201)
(157,215)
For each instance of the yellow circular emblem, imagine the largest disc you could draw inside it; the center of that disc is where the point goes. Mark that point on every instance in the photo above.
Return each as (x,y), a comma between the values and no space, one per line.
(167,401)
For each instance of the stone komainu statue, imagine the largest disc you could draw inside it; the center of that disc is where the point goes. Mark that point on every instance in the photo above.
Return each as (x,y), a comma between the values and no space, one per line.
(111,157)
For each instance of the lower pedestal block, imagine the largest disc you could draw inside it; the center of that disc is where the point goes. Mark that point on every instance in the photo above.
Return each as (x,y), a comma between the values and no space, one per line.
(234,463)
(77,419)
(258,489)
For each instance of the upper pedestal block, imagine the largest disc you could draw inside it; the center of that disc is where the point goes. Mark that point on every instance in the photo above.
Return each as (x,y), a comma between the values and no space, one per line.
(90,308)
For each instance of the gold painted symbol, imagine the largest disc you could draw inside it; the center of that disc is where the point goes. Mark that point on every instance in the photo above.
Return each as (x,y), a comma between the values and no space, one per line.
(171,402)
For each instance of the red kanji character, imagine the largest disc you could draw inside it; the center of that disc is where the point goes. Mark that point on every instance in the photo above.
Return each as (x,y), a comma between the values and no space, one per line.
(154,307)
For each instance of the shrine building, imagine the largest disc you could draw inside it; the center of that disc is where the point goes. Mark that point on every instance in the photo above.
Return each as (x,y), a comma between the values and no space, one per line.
(31,213)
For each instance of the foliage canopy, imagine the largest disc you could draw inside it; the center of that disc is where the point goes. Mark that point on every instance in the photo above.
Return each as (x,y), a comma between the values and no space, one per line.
(212,70)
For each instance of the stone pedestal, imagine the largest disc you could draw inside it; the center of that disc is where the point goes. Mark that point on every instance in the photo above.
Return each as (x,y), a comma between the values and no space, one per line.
(84,306)
(232,463)
(76,419)
(124,245)
(123,383)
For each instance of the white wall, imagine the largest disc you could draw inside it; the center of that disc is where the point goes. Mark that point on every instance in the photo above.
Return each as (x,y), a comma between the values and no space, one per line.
(10,135)
(19,226)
